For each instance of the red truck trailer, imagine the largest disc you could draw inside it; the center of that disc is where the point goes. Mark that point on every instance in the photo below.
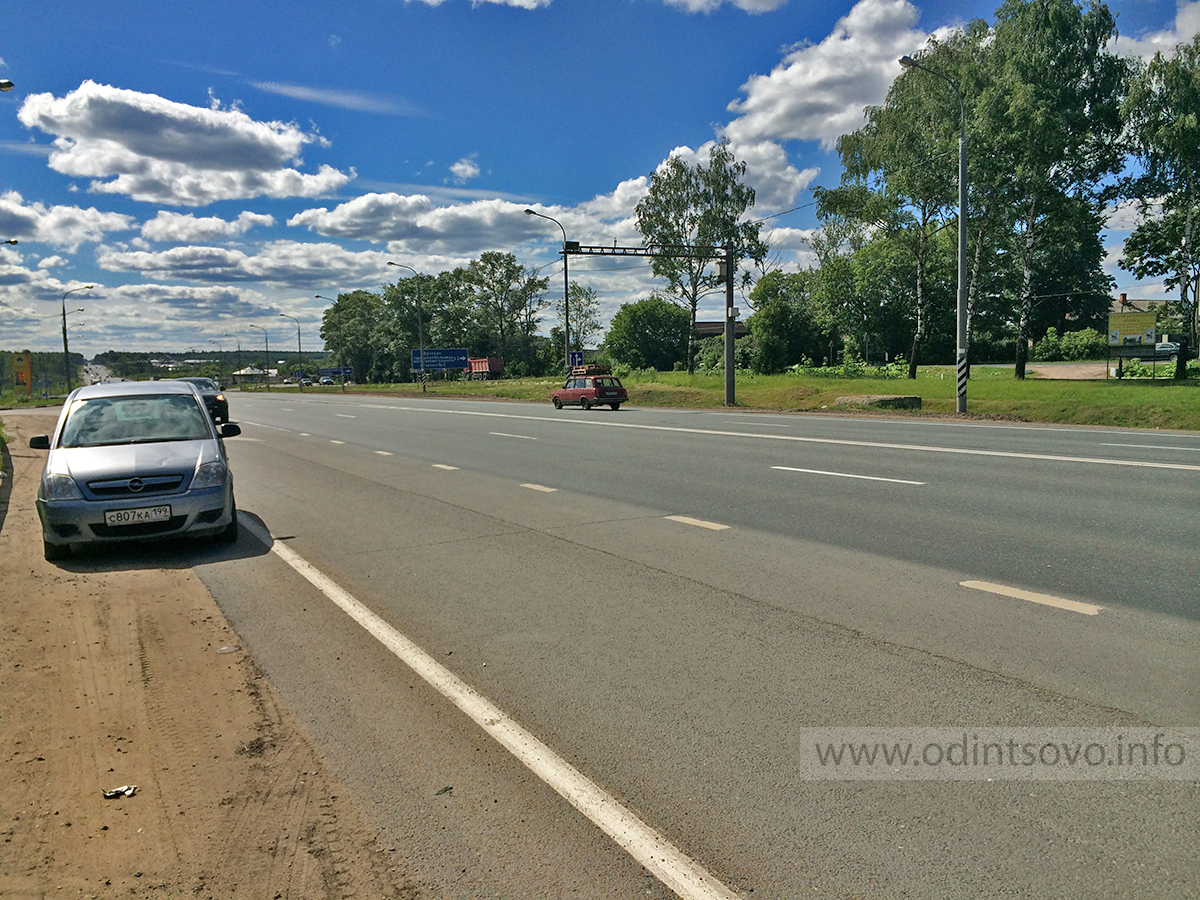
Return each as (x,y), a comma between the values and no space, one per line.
(486,368)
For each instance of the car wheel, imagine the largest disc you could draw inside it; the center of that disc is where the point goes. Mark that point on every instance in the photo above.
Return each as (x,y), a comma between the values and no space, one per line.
(1173,357)
(54,552)
(557,403)
(615,406)
(229,534)
(585,402)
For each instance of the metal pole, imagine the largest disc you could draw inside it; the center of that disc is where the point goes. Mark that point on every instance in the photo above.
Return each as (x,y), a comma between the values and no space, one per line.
(961,339)
(299,350)
(239,343)
(66,352)
(267,361)
(730,400)
(566,290)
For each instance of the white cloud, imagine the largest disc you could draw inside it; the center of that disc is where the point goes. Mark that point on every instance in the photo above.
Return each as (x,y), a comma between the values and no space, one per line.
(160,151)
(818,92)
(60,226)
(1185,27)
(360,101)
(178,228)
(51,262)
(464,170)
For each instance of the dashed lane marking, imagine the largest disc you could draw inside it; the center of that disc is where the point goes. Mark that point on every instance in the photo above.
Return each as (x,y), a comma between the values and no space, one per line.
(699,523)
(1087,609)
(847,475)
(540,487)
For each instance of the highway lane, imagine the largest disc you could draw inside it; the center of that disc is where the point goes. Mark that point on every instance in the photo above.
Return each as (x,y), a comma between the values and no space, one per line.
(1109,531)
(680,666)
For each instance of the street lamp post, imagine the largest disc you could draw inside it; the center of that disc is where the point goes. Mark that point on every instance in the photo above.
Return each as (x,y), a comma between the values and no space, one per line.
(267,359)
(6,85)
(338,309)
(566,290)
(221,350)
(299,350)
(961,357)
(66,353)
(420,315)
(239,346)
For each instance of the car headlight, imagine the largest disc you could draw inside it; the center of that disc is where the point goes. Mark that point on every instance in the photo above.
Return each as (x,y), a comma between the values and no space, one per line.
(62,487)
(220,398)
(209,475)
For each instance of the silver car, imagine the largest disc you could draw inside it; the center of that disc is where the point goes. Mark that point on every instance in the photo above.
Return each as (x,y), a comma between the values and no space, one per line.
(134,461)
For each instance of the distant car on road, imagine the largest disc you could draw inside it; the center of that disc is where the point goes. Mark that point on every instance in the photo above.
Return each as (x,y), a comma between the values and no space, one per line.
(134,461)
(590,386)
(325,379)
(306,381)
(214,398)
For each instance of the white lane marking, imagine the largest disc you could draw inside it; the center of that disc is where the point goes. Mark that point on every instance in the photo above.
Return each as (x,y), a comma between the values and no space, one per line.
(1154,447)
(539,487)
(699,523)
(671,866)
(837,442)
(337,442)
(1087,609)
(252,440)
(523,437)
(384,453)
(344,416)
(846,475)
(287,409)
(305,434)
(445,467)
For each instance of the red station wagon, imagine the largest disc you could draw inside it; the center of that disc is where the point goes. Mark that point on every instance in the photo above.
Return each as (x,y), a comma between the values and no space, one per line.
(590,390)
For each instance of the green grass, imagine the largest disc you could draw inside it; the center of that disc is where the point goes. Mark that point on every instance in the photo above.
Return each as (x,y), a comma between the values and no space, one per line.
(992,393)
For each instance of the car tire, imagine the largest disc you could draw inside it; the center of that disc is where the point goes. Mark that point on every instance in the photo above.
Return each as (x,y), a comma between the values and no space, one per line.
(229,534)
(557,403)
(54,552)
(585,402)
(1174,357)
(615,406)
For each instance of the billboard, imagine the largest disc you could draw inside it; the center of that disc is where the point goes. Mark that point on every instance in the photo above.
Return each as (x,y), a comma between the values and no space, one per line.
(436,358)
(23,374)
(1131,329)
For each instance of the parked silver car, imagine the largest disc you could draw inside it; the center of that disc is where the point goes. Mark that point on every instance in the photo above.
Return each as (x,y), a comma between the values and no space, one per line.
(134,461)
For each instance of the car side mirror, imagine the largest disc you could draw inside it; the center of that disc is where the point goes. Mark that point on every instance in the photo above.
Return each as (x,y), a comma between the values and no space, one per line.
(39,442)
(230,429)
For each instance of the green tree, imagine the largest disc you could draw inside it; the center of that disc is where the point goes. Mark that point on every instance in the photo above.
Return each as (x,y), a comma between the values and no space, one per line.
(585,315)
(1163,111)
(349,324)
(698,206)
(650,334)
(785,324)
(507,299)
(1051,114)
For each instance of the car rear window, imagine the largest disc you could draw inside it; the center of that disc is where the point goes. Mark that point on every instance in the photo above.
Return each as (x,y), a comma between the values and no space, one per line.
(607,382)
(134,420)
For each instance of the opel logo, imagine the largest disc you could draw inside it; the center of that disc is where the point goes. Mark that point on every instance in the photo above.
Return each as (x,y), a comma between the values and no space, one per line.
(135,485)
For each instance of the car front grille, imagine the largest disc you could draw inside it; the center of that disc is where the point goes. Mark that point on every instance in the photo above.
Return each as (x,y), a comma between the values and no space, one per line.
(136,487)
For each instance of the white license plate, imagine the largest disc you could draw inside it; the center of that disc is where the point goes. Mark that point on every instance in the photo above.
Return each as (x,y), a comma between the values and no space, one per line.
(137,516)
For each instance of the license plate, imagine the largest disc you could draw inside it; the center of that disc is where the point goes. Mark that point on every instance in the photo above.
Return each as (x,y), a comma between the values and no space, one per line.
(137,516)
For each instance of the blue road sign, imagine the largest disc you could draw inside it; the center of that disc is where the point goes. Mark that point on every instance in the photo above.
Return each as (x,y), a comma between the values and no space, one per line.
(576,357)
(437,359)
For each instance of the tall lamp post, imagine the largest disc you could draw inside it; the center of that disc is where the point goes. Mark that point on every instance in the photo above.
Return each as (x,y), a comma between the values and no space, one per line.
(299,350)
(420,315)
(338,309)
(961,357)
(221,350)
(267,359)
(239,346)
(566,290)
(66,353)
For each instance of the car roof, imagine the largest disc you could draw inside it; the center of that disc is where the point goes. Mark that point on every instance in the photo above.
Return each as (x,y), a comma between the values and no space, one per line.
(133,388)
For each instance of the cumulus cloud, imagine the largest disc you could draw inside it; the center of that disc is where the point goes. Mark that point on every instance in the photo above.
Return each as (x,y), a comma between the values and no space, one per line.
(60,226)
(159,151)
(288,264)
(1185,27)
(818,92)
(464,170)
(51,262)
(179,228)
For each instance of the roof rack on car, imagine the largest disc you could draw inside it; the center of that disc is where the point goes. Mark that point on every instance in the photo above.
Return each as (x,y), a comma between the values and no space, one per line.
(591,369)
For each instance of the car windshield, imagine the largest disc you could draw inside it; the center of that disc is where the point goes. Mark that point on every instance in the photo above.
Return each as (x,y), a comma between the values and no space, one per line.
(134,420)
(202,384)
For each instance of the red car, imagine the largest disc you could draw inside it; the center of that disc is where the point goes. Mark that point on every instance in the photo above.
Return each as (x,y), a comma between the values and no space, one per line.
(588,390)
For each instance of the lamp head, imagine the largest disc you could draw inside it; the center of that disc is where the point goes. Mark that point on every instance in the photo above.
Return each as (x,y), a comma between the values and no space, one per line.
(6,85)
(908,62)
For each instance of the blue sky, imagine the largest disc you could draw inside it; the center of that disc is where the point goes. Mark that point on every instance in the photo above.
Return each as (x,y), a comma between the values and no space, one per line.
(210,166)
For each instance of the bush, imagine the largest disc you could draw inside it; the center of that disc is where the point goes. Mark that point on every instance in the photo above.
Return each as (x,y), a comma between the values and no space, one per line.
(1085,344)
(1049,348)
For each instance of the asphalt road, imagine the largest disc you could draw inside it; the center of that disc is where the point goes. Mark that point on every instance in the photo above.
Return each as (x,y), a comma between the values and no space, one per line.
(811,579)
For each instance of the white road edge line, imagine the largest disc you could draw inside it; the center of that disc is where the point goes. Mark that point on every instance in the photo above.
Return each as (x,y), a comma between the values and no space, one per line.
(540,487)
(671,866)
(344,416)
(1087,609)
(699,523)
(847,475)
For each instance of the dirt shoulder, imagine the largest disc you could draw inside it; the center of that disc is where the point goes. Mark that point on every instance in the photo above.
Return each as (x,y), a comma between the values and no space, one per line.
(130,675)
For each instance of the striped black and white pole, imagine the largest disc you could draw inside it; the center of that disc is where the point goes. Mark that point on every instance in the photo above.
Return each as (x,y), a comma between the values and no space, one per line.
(962,379)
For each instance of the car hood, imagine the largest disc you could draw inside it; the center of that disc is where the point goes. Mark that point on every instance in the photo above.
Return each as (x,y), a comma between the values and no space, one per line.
(118,460)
